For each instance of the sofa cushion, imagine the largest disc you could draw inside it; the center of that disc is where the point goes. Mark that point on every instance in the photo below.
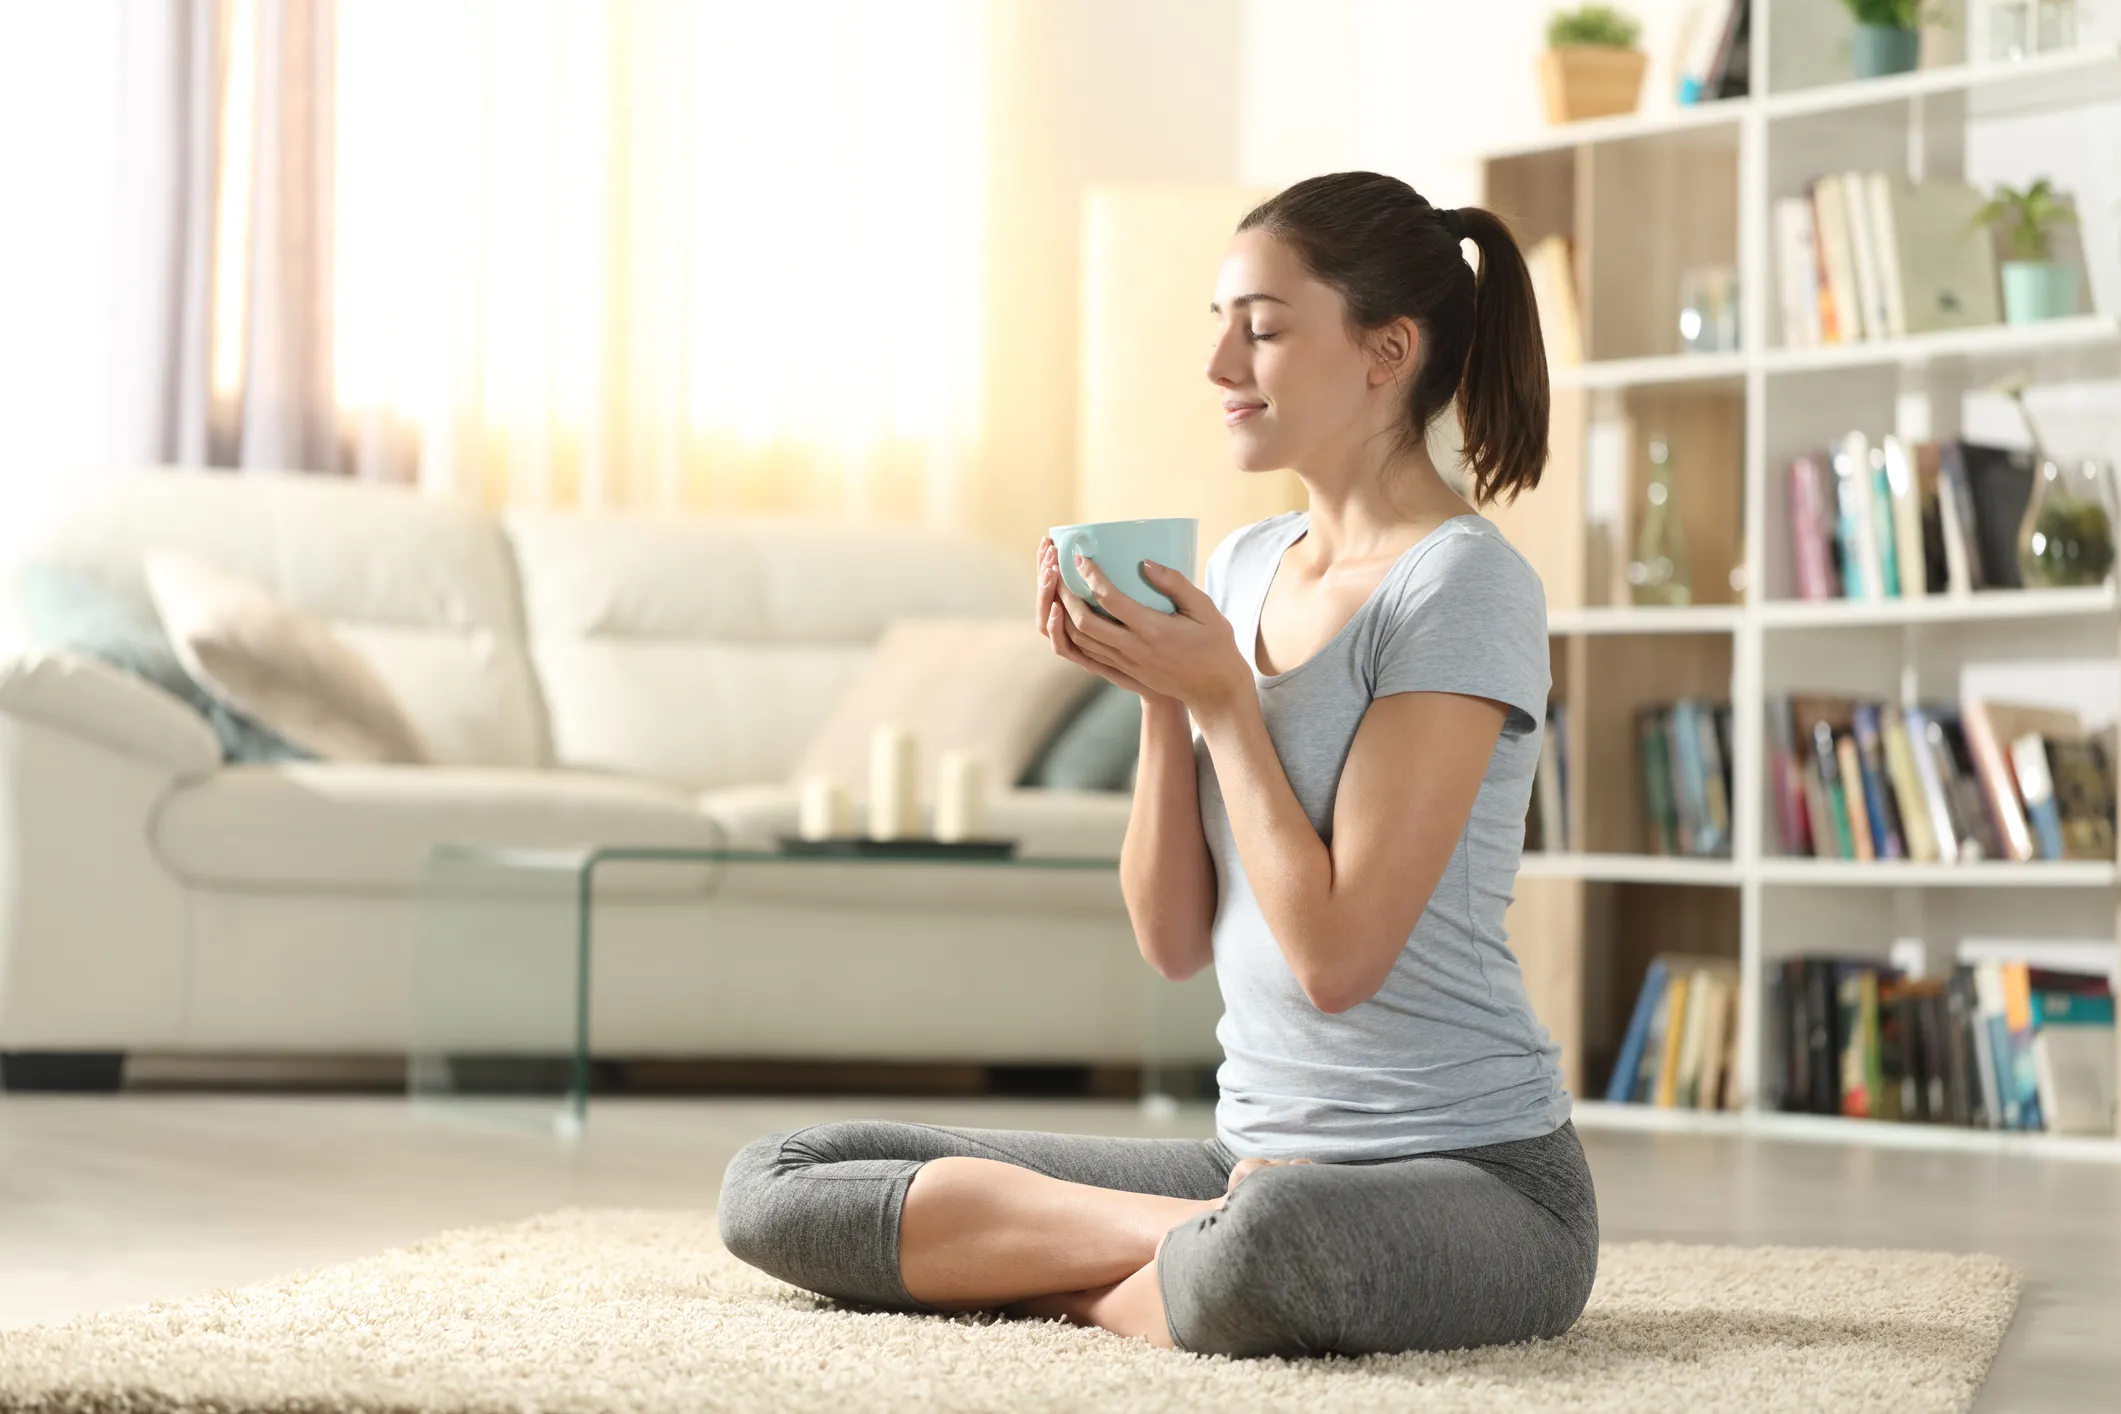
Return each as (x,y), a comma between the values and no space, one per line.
(710,651)
(425,587)
(1095,749)
(334,825)
(262,657)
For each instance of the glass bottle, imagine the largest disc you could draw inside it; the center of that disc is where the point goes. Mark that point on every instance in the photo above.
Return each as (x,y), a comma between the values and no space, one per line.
(2010,29)
(2055,24)
(1658,573)
(2067,536)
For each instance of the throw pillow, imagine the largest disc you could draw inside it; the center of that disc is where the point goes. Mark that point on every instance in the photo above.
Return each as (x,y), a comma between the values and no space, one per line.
(989,686)
(70,610)
(272,662)
(1095,748)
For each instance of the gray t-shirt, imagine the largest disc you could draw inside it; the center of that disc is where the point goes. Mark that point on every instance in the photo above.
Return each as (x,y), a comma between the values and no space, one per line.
(1448,1054)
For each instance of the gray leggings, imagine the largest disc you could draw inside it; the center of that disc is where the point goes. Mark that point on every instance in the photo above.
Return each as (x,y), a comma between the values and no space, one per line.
(1431,1252)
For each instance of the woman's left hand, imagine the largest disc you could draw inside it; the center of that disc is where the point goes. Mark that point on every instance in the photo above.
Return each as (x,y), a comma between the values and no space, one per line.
(1190,655)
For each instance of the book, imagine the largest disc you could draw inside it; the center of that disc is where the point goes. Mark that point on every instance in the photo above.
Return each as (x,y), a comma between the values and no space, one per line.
(1862,571)
(1711,724)
(1884,822)
(1730,72)
(1912,804)
(1621,1087)
(1878,191)
(1797,271)
(1813,527)
(1999,786)
(1905,499)
(1999,483)
(1881,526)
(1716,1031)
(1936,566)
(1956,500)
(1700,1003)
(1963,790)
(1850,768)
(2073,1075)
(1863,248)
(2084,797)
(1837,261)
(1676,990)
(1551,814)
(1786,780)
(1944,828)
(1661,810)
(1946,262)
(2036,786)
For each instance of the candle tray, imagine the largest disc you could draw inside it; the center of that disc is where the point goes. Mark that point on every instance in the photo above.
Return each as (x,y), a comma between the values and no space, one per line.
(862,847)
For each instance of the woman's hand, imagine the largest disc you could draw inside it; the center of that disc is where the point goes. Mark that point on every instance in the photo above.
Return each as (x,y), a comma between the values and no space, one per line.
(1190,656)
(1053,622)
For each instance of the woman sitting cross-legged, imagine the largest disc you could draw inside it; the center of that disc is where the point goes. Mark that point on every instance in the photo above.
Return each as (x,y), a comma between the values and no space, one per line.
(1338,737)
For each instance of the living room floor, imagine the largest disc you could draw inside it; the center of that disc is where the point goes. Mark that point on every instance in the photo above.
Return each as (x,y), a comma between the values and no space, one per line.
(106,1201)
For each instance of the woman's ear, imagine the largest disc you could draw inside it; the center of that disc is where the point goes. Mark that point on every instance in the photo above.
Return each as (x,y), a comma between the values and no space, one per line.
(1395,352)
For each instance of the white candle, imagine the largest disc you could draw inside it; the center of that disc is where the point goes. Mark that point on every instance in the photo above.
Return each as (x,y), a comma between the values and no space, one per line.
(828,809)
(960,796)
(894,784)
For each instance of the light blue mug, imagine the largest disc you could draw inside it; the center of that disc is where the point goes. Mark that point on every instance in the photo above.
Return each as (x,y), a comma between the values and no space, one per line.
(1118,547)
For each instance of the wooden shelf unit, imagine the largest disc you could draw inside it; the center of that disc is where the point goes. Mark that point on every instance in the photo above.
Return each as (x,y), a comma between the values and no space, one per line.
(1640,198)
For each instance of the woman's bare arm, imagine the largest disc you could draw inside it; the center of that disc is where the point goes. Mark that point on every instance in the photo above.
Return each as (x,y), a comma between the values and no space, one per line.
(1165,871)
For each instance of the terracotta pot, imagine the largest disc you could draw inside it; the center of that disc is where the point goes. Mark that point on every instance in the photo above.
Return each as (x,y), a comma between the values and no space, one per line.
(1585,81)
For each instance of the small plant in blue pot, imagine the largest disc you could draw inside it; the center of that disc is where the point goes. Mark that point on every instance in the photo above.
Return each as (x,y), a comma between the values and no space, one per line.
(2036,286)
(1888,36)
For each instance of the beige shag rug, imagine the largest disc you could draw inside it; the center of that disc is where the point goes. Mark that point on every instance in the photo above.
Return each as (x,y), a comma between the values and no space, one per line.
(611,1310)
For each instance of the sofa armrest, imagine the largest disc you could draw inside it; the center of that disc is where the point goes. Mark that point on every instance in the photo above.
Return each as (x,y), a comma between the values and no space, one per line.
(91,700)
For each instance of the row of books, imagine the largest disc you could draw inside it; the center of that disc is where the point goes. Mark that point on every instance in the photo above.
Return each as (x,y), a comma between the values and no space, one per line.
(1547,822)
(1680,1050)
(1997,1045)
(1874,780)
(1715,51)
(1866,255)
(1684,750)
(1897,521)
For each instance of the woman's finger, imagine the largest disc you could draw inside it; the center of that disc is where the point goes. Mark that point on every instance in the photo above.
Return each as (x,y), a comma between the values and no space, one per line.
(1189,597)
(1085,619)
(1109,597)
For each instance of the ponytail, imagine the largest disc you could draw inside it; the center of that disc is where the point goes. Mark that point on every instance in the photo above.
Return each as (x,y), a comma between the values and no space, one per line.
(1503,399)
(1394,256)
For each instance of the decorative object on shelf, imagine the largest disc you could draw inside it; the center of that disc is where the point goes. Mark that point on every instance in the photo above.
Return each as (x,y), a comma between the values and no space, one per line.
(894,783)
(2055,25)
(1714,54)
(2010,29)
(2067,536)
(1591,68)
(960,797)
(1708,309)
(1658,573)
(2036,286)
(827,808)
(1888,38)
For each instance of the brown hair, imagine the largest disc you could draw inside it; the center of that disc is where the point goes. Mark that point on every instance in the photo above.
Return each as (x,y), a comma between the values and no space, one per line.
(1392,255)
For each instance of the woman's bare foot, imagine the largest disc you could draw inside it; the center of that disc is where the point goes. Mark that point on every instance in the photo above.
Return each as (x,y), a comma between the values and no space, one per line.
(1247,1167)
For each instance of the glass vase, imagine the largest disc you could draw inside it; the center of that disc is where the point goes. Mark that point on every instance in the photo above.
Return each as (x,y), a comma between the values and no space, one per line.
(2067,536)
(1658,573)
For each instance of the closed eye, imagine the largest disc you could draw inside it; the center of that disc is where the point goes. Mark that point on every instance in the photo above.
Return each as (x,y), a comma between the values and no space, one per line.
(1259,338)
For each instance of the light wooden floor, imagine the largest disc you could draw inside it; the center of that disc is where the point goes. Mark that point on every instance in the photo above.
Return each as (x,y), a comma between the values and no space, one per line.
(107,1201)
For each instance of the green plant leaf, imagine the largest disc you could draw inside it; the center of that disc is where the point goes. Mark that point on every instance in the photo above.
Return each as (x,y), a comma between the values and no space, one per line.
(1593,26)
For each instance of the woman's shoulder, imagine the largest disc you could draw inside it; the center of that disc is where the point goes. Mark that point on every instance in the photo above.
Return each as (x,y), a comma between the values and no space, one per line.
(1469,558)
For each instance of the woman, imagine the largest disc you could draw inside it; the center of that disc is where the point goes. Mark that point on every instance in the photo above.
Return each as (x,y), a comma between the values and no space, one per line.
(1339,731)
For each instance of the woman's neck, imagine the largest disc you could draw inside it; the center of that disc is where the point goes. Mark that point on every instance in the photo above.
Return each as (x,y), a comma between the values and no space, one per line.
(1357,512)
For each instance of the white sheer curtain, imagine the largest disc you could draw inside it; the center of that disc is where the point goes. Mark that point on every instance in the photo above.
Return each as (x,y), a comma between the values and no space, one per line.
(665,254)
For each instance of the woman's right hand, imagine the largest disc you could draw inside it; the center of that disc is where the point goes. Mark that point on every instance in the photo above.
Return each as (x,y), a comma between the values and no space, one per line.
(1053,622)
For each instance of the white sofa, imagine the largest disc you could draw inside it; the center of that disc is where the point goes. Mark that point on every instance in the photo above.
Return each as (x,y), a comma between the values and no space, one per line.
(582,679)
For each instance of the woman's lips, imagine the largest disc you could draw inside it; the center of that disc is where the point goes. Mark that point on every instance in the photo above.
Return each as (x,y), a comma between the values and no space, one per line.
(1234,415)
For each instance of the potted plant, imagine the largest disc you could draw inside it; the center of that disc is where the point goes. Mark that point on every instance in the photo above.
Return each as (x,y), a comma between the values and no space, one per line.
(1888,36)
(1592,67)
(2036,286)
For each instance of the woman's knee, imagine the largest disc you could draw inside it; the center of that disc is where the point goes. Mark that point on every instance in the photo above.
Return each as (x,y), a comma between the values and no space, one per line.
(744,1211)
(1237,1281)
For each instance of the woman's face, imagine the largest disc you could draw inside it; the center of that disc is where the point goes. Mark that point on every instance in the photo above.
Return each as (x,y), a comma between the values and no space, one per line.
(1293,382)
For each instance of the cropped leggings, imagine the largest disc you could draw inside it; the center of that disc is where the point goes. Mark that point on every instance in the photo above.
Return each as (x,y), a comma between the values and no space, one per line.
(1431,1252)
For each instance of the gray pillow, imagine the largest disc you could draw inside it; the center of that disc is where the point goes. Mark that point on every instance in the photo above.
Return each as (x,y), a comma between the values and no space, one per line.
(75,612)
(1095,748)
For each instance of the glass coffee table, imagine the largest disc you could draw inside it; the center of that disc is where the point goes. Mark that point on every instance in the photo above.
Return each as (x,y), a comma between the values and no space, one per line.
(507,940)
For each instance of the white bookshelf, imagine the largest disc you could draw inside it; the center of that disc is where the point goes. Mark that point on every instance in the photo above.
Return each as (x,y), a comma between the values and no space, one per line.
(1640,197)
